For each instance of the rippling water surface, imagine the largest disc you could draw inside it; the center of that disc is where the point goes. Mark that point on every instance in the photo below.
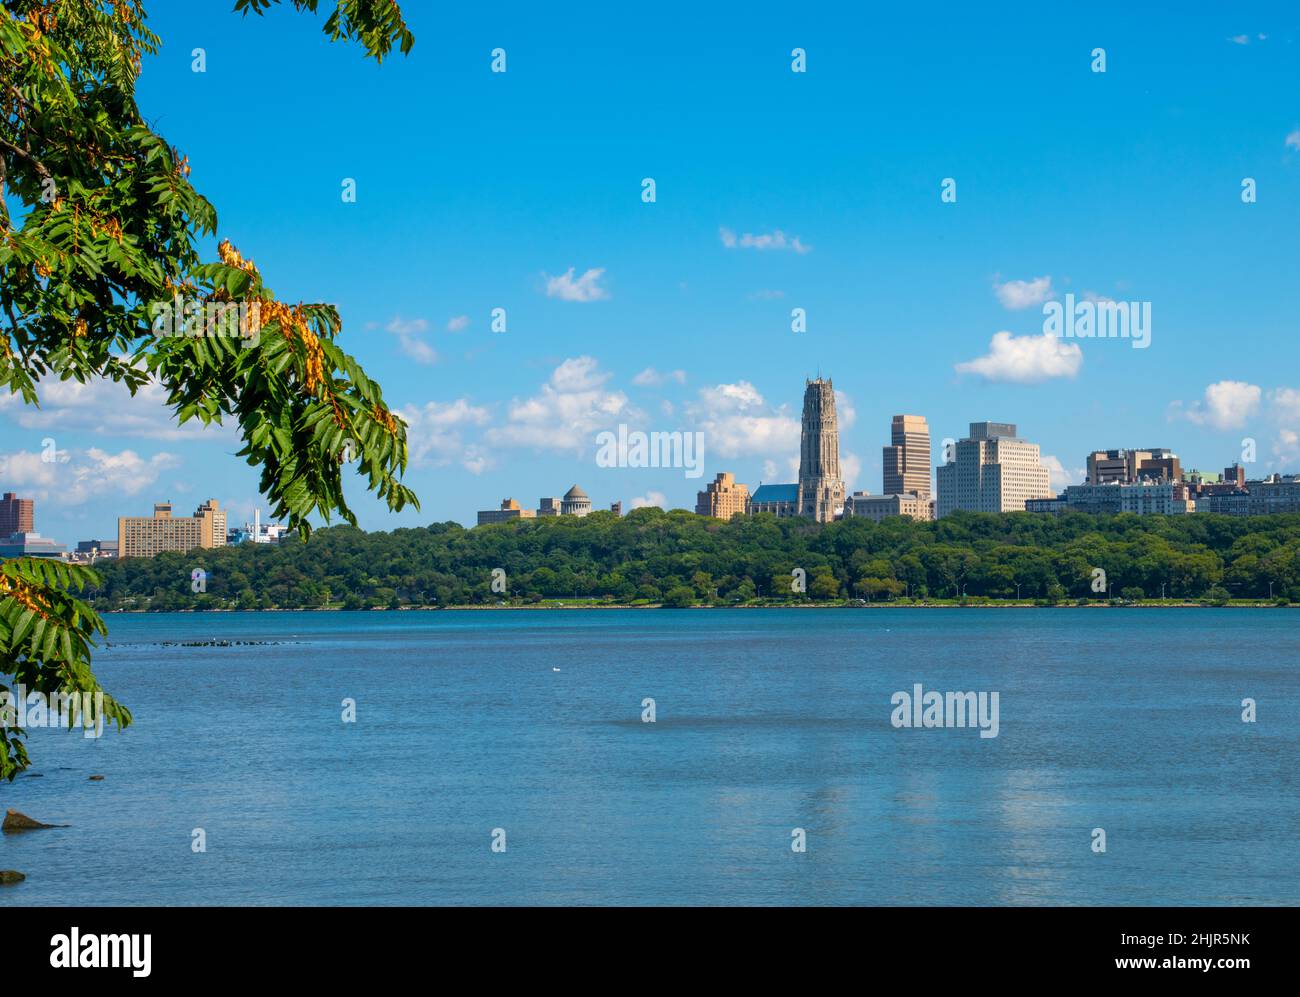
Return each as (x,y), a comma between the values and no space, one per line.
(767,721)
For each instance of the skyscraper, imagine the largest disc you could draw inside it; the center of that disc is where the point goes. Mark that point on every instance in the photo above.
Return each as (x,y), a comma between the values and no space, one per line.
(821,489)
(907,458)
(16,515)
(992,470)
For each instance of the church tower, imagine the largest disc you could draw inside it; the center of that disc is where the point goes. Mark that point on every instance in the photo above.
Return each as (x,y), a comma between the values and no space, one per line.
(821,489)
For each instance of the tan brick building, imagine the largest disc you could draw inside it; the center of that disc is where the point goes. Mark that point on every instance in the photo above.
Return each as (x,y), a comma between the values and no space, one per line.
(723,497)
(145,536)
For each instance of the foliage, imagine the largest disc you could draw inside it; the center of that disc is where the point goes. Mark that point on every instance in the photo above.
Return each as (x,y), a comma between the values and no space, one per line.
(651,554)
(99,231)
(45,639)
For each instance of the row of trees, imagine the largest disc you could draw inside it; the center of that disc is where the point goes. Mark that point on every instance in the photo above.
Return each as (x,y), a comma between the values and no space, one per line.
(680,558)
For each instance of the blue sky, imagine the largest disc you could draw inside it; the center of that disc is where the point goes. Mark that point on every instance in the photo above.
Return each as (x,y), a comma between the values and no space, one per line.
(480,190)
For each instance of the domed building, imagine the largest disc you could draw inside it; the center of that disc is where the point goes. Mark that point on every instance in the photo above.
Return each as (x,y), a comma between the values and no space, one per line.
(575,503)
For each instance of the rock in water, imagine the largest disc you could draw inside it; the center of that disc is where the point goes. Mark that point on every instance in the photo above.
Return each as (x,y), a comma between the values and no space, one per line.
(8,877)
(14,821)
(96,778)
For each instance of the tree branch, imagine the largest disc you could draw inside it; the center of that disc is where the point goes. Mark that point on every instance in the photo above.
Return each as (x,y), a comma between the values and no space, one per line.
(26,154)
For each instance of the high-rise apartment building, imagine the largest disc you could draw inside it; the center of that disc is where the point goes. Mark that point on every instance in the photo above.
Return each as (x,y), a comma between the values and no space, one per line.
(821,489)
(722,497)
(907,458)
(992,470)
(16,515)
(145,536)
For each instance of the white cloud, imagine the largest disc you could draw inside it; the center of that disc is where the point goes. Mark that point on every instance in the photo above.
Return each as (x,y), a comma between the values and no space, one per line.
(434,434)
(1240,39)
(1227,405)
(1061,477)
(566,413)
(106,408)
(239,509)
(766,240)
(1025,359)
(1293,140)
(652,378)
(475,461)
(1287,446)
(578,374)
(419,351)
(458,324)
(1020,294)
(845,414)
(584,288)
(850,468)
(650,500)
(736,421)
(86,475)
(399,326)
(409,341)
(1286,404)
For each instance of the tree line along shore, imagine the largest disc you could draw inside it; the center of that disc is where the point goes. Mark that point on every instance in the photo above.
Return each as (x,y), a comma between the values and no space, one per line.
(655,558)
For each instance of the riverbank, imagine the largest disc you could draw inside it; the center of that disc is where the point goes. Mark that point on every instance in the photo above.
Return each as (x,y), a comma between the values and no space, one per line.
(826,604)
(650,558)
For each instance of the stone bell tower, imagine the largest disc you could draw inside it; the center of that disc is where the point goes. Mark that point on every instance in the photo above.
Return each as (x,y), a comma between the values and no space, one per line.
(821,489)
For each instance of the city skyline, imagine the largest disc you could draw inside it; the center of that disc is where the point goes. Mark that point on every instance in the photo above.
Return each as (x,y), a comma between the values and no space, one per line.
(992,469)
(908,435)
(774,191)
